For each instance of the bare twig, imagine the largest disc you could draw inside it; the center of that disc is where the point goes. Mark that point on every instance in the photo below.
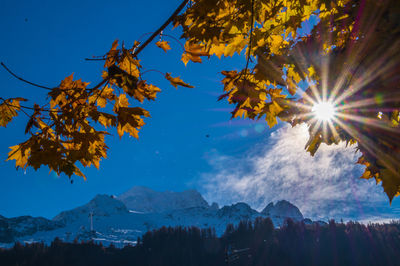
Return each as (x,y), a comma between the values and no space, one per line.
(163,26)
(153,34)
(152,70)
(24,80)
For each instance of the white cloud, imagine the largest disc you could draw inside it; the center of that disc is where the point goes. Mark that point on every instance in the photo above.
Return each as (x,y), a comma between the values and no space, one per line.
(324,186)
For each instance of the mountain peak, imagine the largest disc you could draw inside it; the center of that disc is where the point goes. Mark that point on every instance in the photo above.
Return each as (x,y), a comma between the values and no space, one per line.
(143,199)
(100,205)
(283,208)
(238,210)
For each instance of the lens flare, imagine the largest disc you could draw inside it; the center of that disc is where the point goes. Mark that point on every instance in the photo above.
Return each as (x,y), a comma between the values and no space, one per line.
(324,111)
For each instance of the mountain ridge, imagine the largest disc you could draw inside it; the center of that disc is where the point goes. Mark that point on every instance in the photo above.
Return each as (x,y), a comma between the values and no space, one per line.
(116,223)
(157,201)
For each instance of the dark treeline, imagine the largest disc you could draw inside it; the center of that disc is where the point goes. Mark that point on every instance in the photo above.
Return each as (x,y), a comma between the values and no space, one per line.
(249,243)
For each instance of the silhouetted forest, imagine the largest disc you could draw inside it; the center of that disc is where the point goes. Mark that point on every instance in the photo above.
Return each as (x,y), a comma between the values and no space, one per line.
(249,243)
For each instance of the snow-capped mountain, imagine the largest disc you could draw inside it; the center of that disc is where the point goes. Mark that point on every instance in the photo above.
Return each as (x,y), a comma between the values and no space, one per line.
(120,220)
(101,205)
(142,199)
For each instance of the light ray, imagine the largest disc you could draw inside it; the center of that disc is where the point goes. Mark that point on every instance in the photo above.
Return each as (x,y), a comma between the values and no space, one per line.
(368,121)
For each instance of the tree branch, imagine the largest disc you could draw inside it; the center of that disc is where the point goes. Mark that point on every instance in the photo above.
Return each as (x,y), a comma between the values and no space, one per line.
(154,34)
(24,80)
(157,32)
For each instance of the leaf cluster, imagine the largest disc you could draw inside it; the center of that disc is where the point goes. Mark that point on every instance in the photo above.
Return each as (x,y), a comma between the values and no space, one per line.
(72,126)
(350,58)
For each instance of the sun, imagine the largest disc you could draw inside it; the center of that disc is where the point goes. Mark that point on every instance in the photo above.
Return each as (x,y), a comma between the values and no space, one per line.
(324,111)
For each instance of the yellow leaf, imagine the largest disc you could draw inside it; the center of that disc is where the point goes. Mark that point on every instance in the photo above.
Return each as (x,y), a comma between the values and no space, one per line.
(145,90)
(20,154)
(101,96)
(163,45)
(122,79)
(130,65)
(193,52)
(177,81)
(274,110)
(122,101)
(311,71)
(218,50)
(186,58)
(78,172)
(293,74)
(112,55)
(276,43)
(105,119)
(236,45)
(129,120)
(292,79)
(271,119)
(8,110)
(366,174)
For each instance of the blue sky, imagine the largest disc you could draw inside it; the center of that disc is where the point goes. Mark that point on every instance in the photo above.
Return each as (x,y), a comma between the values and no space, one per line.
(45,41)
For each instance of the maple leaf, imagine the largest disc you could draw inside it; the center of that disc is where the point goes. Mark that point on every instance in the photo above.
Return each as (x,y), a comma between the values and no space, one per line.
(276,43)
(20,153)
(145,91)
(128,64)
(163,45)
(101,96)
(236,45)
(217,49)
(193,52)
(292,79)
(390,183)
(9,109)
(122,101)
(63,135)
(104,119)
(112,55)
(177,81)
(122,79)
(273,112)
(130,120)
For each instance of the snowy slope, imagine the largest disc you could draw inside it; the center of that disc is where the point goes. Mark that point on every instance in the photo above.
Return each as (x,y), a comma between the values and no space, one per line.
(101,205)
(11,228)
(114,223)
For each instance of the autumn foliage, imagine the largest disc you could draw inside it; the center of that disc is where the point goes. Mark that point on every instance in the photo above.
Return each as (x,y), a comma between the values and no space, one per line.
(349,58)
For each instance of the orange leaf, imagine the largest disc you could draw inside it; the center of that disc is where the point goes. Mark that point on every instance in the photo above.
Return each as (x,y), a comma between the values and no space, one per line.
(163,45)
(177,81)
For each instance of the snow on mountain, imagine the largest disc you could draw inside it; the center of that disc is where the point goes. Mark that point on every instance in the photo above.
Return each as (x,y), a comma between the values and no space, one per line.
(101,205)
(11,228)
(144,199)
(144,210)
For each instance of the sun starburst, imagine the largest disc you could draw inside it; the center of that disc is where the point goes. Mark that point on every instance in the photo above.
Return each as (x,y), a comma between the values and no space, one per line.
(324,111)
